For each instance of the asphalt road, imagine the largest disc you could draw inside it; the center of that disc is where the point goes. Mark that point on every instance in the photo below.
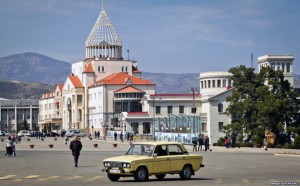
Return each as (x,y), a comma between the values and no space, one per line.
(56,167)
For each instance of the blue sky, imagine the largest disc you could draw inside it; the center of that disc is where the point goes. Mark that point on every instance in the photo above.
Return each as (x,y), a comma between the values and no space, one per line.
(169,36)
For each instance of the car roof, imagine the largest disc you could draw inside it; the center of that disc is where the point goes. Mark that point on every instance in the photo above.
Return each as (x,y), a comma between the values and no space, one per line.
(157,143)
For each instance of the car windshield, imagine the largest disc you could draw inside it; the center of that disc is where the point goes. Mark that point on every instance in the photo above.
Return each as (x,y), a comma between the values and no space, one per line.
(140,149)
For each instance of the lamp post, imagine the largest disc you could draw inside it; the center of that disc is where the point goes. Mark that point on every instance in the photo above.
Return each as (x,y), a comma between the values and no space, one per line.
(194,90)
(153,125)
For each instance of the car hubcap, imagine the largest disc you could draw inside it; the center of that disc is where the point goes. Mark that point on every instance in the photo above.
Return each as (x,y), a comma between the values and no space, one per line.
(142,174)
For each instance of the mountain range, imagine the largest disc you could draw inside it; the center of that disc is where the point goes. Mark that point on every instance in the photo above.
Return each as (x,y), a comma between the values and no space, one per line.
(29,75)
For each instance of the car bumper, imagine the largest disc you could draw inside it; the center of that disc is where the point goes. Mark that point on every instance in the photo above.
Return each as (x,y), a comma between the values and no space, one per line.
(121,172)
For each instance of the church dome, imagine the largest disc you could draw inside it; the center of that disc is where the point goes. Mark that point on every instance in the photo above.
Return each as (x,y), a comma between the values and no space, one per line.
(103,40)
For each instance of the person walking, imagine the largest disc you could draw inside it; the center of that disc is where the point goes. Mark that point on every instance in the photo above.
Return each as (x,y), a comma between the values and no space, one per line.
(76,147)
(9,146)
(206,143)
(200,143)
(194,141)
(115,135)
(121,136)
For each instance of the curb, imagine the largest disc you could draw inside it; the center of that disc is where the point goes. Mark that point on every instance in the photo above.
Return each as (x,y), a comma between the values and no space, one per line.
(289,155)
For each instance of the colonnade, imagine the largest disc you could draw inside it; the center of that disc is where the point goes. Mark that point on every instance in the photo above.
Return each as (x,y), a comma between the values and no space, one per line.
(106,51)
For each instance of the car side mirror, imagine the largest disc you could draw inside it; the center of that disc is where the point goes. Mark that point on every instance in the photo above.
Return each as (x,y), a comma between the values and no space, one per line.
(155,155)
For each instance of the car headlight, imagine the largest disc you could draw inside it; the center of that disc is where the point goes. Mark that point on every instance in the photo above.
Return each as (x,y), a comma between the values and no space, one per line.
(126,165)
(106,164)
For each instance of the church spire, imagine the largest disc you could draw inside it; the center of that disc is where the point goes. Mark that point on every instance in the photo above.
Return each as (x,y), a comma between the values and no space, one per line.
(103,40)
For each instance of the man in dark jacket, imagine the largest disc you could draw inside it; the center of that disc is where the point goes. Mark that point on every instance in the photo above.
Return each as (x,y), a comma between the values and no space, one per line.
(76,147)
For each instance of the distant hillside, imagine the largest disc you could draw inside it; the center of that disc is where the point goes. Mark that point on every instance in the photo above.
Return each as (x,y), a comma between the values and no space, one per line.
(26,90)
(34,67)
(173,83)
(37,68)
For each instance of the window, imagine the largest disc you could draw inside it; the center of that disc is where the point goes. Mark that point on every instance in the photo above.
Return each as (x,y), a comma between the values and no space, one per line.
(161,150)
(181,109)
(122,69)
(201,82)
(170,109)
(288,66)
(278,66)
(204,126)
(204,84)
(174,150)
(213,83)
(157,109)
(208,86)
(126,69)
(99,69)
(273,66)
(224,82)
(221,126)
(220,107)
(102,68)
(218,83)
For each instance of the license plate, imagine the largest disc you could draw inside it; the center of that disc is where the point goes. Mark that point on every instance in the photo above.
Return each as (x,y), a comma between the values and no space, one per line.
(115,171)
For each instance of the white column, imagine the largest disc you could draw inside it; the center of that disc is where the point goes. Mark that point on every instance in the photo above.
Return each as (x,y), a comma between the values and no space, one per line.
(30,120)
(16,118)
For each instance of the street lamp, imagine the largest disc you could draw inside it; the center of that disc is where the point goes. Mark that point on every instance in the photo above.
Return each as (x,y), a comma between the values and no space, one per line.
(153,124)
(194,90)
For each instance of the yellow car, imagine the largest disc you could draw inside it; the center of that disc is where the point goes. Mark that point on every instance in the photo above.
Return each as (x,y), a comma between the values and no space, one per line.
(145,159)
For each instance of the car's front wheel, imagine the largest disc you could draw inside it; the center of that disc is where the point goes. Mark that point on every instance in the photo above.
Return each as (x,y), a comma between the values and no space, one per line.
(113,177)
(186,172)
(160,176)
(141,174)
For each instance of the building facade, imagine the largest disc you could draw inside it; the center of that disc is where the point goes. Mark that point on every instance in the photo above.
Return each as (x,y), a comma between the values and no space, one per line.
(14,112)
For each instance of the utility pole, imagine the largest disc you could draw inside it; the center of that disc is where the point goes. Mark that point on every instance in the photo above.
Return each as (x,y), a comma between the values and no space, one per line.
(194,91)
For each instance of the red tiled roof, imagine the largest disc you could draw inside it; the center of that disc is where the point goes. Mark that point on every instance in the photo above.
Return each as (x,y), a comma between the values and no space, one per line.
(174,95)
(89,68)
(75,81)
(48,95)
(60,86)
(129,89)
(122,78)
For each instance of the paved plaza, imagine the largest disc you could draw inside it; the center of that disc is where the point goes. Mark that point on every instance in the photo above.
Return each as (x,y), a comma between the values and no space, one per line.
(42,165)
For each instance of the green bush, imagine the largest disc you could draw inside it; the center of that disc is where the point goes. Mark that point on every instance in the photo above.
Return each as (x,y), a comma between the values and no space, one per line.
(289,146)
(246,144)
(297,140)
(279,146)
(221,141)
(257,140)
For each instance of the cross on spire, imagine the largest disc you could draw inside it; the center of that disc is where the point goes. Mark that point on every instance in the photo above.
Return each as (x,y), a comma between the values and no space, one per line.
(102,4)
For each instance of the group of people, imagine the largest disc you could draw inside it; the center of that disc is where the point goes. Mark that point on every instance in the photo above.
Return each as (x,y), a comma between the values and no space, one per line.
(230,141)
(11,145)
(116,136)
(200,142)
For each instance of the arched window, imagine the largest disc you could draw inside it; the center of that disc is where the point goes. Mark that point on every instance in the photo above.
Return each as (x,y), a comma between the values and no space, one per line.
(220,107)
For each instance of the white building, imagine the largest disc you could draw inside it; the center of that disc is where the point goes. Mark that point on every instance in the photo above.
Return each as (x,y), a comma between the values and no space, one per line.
(100,87)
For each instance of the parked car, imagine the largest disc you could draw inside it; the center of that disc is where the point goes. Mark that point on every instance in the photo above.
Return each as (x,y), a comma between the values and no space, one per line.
(74,132)
(23,133)
(69,132)
(2,133)
(79,133)
(145,159)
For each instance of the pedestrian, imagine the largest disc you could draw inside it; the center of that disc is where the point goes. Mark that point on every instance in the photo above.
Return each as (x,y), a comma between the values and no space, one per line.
(98,134)
(233,140)
(194,141)
(76,147)
(95,133)
(200,143)
(121,136)
(131,137)
(9,146)
(206,143)
(115,135)
(226,142)
(66,140)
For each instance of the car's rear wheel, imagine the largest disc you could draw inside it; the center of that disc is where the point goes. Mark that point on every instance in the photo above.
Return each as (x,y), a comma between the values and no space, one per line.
(160,176)
(186,172)
(113,177)
(141,174)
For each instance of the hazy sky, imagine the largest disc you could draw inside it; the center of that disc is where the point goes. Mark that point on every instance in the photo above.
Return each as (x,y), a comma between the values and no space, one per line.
(169,36)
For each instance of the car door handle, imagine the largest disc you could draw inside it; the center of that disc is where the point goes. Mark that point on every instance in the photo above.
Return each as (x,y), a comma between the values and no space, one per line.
(168,158)
(183,158)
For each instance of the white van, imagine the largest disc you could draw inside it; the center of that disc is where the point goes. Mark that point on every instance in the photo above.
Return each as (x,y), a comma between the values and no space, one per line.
(23,133)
